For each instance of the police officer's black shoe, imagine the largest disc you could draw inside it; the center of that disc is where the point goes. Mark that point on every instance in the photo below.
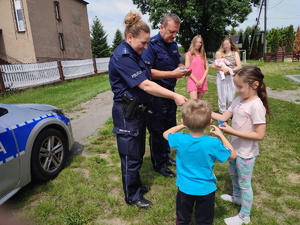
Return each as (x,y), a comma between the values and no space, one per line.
(143,203)
(166,172)
(171,162)
(144,189)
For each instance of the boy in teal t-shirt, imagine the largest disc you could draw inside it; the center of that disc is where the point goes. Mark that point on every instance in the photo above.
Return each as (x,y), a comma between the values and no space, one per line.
(196,156)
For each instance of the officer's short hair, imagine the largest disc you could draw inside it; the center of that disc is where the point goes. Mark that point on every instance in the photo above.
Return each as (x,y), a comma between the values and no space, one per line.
(168,17)
(134,25)
(196,114)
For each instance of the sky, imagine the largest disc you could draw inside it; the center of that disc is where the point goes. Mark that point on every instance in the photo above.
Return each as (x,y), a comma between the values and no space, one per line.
(111,13)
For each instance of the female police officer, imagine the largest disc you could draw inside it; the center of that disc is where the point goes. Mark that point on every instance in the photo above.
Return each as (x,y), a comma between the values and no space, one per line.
(132,88)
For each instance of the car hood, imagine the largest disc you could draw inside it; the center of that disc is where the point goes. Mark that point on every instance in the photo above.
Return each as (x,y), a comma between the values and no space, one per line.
(19,113)
(40,107)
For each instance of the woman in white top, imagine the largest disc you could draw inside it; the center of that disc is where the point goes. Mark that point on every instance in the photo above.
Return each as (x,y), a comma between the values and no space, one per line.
(225,88)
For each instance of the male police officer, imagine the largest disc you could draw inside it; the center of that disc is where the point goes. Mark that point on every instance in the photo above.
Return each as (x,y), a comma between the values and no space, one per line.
(164,60)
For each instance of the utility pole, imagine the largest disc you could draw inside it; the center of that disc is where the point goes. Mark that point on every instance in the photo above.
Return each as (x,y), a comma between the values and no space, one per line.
(257,22)
(265,28)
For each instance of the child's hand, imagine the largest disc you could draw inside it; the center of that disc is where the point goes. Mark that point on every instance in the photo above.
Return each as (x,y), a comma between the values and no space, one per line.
(226,72)
(227,129)
(199,83)
(215,130)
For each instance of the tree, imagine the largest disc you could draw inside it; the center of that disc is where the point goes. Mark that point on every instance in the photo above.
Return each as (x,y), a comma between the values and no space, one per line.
(297,40)
(241,38)
(232,31)
(284,36)
(255,30)
(291,36)
(248,30)
(100,47)
(273,40)
(251,44)
(246,45)
(117,39)
(260,45)
(207,18)
(241,31)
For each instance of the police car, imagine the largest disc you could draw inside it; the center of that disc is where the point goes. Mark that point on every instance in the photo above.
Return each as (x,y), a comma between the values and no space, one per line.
(34,140)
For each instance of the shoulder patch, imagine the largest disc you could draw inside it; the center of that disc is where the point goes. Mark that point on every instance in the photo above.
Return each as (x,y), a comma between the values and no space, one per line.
(125,51)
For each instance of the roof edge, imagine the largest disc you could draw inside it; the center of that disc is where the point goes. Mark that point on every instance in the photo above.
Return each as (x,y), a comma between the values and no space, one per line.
(82,1)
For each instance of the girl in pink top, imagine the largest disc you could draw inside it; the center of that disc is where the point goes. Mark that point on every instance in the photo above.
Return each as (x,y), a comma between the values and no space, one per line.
(248,112)
(196,60)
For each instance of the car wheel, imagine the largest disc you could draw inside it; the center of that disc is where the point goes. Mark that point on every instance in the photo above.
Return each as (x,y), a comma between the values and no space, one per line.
(48,155)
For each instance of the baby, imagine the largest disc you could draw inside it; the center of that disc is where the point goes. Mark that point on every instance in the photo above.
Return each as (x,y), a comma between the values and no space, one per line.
(220,61)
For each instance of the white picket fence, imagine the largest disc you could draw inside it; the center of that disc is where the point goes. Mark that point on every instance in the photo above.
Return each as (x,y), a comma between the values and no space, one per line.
(24,75)
(27,75)
(77,68)
(102,64)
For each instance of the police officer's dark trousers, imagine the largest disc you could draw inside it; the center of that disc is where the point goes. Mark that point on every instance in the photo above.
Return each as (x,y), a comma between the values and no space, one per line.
(131,135)
(160,118)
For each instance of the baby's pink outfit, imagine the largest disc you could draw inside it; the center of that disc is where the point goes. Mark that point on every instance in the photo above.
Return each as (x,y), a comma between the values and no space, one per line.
(223,63)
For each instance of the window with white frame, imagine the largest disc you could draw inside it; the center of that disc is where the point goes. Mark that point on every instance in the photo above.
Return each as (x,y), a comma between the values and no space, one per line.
(56,10)
(19,15)
(61,41)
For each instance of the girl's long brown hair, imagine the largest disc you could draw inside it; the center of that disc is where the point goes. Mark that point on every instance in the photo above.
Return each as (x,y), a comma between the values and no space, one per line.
(234,48)
(250,74)
(201,50)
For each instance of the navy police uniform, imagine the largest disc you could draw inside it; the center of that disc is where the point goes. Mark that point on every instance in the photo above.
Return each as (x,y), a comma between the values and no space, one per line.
(126,71)
(162,115)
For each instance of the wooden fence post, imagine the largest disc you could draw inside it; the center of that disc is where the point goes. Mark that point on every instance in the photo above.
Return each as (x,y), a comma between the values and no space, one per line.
(61,73)
(2,85)
(95,66)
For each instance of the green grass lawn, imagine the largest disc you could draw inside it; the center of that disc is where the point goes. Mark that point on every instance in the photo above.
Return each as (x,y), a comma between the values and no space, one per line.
(64,95)
(89,189)
(273,72)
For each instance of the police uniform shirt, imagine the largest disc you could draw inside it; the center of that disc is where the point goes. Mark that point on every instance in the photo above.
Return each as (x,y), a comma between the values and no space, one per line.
(126,71)
(162,56)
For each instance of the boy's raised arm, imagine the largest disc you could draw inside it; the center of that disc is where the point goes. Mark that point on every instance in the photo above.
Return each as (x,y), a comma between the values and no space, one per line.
(173,130)
(216,131)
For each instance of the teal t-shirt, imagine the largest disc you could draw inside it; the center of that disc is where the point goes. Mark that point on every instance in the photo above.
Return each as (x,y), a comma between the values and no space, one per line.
(195,160)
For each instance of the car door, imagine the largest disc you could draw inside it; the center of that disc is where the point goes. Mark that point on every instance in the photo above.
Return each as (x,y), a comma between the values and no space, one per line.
(9,159)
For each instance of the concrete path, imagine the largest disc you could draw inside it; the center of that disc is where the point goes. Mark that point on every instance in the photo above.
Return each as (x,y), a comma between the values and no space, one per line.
(88,117)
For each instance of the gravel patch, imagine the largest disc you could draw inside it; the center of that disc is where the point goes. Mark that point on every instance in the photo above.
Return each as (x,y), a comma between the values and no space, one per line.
(287,95)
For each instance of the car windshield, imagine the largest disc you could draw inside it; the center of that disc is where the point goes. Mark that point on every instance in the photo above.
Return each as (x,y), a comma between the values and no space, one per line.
(3,111)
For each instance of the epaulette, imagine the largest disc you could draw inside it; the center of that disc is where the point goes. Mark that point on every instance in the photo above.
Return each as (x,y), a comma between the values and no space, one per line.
(125,51)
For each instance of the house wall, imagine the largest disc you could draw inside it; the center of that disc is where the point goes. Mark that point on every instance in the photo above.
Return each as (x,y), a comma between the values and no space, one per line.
(14,44)
(46,28)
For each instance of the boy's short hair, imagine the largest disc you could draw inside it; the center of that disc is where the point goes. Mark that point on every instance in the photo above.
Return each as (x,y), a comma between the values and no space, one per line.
(196,114)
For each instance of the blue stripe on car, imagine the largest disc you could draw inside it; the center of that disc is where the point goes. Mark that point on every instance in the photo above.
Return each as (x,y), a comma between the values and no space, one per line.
(22,131)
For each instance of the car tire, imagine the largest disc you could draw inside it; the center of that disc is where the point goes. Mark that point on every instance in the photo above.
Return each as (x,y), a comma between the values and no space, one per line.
(48,155)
